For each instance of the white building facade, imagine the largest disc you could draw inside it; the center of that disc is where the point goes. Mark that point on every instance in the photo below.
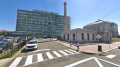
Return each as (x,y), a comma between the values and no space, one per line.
(86,36)
(103,26)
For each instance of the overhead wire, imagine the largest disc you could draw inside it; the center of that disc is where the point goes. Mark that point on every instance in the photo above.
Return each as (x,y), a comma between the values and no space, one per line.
(108,14)
(94,8)
(111,12)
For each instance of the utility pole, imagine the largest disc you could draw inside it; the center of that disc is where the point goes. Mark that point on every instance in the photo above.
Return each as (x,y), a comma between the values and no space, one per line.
(65,16)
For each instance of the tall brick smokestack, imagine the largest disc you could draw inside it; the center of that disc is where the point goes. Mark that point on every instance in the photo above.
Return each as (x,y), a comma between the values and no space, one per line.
(65,16)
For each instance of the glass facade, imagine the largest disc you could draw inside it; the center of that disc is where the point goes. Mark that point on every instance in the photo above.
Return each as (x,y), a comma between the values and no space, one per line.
(48,24)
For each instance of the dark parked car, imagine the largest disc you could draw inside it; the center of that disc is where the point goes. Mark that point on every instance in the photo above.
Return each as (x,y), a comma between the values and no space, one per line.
(4,46)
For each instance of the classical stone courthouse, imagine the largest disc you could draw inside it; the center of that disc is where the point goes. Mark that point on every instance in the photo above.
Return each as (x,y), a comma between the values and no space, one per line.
(105,29)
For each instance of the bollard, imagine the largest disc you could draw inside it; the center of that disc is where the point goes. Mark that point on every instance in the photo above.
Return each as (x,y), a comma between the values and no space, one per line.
(77,48)
(100,49)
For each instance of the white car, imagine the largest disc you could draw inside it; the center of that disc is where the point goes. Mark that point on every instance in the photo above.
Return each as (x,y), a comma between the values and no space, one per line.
(32,44)
(118,46)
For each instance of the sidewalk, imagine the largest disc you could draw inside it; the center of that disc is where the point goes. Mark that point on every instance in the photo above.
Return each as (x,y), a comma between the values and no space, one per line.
(86,48)
(3,62)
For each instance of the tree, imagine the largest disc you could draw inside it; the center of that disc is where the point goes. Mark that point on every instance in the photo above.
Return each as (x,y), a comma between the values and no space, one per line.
(1,33)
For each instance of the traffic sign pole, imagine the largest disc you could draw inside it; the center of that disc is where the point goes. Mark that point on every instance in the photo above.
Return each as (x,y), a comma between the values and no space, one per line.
(98,36)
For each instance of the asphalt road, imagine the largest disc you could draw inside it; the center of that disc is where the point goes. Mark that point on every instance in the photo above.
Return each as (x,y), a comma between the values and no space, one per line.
(50,54)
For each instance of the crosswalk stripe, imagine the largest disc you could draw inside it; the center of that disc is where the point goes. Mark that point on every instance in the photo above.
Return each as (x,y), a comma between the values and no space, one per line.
(16,62)
(73,51)
(57,54)
(49,55)
(29,60)
(63,52)
(39,57)
(69,52)
(110,56)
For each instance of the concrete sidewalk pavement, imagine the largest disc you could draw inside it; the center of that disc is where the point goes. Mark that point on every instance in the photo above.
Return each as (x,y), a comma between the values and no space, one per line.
(89,48)
(3,62)
(94,48)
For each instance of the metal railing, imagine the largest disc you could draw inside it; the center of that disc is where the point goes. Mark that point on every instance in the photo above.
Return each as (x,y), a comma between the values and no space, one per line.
(10,52)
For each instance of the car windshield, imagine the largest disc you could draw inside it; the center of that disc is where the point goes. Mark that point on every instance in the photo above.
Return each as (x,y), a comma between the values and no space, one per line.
(2,45)
(32,42)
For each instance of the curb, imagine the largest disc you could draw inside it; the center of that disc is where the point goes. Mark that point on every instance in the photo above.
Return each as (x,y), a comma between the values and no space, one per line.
(64,45)
(87,52)
(78,51)
(14,56)
(109,50)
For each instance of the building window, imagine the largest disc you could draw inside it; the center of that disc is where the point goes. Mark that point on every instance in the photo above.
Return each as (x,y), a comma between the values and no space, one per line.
(82,34)
(73,36)
(93,36)
(88,37)
(67,36)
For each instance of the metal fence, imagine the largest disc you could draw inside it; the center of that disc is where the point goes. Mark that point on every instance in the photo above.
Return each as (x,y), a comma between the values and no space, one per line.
(10,52)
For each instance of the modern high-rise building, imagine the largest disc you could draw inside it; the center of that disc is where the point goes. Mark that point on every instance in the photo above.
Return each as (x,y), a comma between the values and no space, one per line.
(47,24)
(103,26)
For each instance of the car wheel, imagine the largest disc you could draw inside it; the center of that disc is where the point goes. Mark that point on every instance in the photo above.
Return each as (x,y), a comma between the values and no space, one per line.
(35,48)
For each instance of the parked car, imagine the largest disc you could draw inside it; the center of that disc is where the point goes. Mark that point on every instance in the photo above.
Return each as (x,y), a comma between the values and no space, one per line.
(118,46)
(7,39)
(1,38)
(23,40)
(32,44)
(4,46)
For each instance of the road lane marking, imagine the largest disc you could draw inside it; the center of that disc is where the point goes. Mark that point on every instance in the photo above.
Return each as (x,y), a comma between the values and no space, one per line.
(69,52)
(63,52)
(39,50)
(96,59)
(110,56)
(74,51)
(29,60)
(100,65)
(49,55)
(76,63)
(58,50)
(39,57)
(57,54)
(109,62)
(16,62)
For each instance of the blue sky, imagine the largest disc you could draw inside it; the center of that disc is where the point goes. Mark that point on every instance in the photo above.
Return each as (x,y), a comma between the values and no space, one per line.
(81,12)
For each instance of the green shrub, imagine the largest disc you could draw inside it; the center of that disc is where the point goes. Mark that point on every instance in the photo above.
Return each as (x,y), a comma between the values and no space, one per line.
(115,39)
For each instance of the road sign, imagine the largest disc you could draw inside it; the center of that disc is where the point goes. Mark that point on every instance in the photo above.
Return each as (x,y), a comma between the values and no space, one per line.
(98,36)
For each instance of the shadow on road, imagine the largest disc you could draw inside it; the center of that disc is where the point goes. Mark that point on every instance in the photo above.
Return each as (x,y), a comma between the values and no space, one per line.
(26,51)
